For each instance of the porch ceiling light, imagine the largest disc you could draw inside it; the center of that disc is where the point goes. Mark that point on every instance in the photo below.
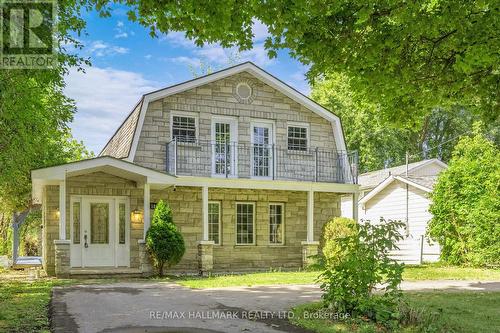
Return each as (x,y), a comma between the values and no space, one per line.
(136,216)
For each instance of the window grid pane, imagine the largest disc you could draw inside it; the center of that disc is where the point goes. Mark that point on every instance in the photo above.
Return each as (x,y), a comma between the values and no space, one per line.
(222,149)
(276,224)
(76,223)
(261,151)
(184,129)
(99,223)
(214,222)
(121,229)
(297,138)
(244,224)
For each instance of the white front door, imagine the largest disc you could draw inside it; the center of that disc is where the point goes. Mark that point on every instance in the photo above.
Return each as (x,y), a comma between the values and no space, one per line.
(100,231)
(262,137)
(224,146)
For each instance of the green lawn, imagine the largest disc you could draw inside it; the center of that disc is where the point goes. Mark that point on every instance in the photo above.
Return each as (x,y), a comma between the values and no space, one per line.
(440,312)
(24,303)
(423,272)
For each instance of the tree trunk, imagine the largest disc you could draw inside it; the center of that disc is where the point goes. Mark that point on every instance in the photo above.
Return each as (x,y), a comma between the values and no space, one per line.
(160,269)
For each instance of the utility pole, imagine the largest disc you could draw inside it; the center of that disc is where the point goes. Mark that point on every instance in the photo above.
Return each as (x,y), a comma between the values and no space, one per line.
(407,160)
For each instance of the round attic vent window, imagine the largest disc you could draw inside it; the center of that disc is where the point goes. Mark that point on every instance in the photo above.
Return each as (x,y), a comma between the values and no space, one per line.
(244,91)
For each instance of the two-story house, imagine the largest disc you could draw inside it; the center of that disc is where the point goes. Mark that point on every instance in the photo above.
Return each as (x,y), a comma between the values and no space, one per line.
(251,168)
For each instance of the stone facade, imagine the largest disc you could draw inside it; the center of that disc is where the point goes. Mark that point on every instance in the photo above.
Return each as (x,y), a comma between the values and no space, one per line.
(217,98)
(50,231)
(187,212)
(95,184)
(186,205)
(205,257)
(62,258)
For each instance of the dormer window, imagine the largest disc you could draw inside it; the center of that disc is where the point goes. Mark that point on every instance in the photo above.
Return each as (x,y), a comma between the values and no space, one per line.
(184,128)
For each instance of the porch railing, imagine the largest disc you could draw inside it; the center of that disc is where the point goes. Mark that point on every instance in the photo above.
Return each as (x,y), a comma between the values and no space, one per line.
(242,160)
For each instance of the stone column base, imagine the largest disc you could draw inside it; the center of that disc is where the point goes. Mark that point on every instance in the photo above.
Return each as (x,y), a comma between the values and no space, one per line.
(205,257)
(62,258)
(145,264)
(309,250)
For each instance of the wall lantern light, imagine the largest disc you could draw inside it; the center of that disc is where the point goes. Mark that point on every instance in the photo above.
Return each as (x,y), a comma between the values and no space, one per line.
(136,216)
(58,213)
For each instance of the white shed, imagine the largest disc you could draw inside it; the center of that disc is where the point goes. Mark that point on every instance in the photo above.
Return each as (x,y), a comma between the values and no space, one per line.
(397,194)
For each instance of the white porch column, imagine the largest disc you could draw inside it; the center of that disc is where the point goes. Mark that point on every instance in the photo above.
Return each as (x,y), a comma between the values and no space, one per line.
(310,216)
(204,210)
(62,209)
(147,210)
(355,206)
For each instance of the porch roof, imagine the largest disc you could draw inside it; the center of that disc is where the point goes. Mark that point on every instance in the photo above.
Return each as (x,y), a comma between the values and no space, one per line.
(55,174)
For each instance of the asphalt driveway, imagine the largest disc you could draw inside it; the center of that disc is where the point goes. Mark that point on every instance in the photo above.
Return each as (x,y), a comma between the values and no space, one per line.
(168,307)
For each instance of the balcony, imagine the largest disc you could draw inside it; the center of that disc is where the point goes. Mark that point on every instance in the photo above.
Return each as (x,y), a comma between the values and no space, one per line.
(258,161)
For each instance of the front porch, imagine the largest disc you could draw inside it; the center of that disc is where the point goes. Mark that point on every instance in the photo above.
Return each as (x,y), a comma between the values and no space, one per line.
(69,239)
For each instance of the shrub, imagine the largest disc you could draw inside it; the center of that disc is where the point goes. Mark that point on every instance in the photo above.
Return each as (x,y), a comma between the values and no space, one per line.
(466,202)
(349,283)
(164,242)
(333,230)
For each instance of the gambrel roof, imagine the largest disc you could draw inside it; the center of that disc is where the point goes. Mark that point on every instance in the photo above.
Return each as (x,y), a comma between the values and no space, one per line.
(124,142)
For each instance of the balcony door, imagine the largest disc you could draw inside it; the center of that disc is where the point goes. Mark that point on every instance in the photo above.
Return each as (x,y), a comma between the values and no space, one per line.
(262,136)
(224,146)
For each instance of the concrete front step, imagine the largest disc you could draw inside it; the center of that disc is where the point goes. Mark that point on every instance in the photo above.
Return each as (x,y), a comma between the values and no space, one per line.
(104,272)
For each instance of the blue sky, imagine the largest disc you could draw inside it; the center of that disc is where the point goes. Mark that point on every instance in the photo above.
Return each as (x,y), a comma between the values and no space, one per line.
(127,62)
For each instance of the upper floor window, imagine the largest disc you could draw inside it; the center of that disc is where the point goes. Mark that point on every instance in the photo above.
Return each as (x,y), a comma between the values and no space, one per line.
(297,137)
(184,128)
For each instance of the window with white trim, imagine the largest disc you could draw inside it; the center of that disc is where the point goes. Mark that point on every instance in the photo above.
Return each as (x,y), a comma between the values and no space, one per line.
(245,214)
(184,128)
(214,222)
(276,235)
(297,138)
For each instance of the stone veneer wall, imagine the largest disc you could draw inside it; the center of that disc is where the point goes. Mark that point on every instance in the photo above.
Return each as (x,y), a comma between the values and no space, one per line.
(186,207)
(50,204)
(217,98)
(98,184)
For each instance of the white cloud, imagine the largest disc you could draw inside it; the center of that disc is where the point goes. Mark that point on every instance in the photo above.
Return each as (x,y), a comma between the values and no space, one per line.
(195,62)
(121,35)
(178,39)
(259,31)
(299,81)
(104,97)
(217,55)
(99,48)
(122,31)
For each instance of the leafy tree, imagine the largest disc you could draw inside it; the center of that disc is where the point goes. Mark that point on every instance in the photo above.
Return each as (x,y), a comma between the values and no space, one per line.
(466,204)
(379,142)
(34,117)
(163,240)
(333,230)
(406,56)
(349,283)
